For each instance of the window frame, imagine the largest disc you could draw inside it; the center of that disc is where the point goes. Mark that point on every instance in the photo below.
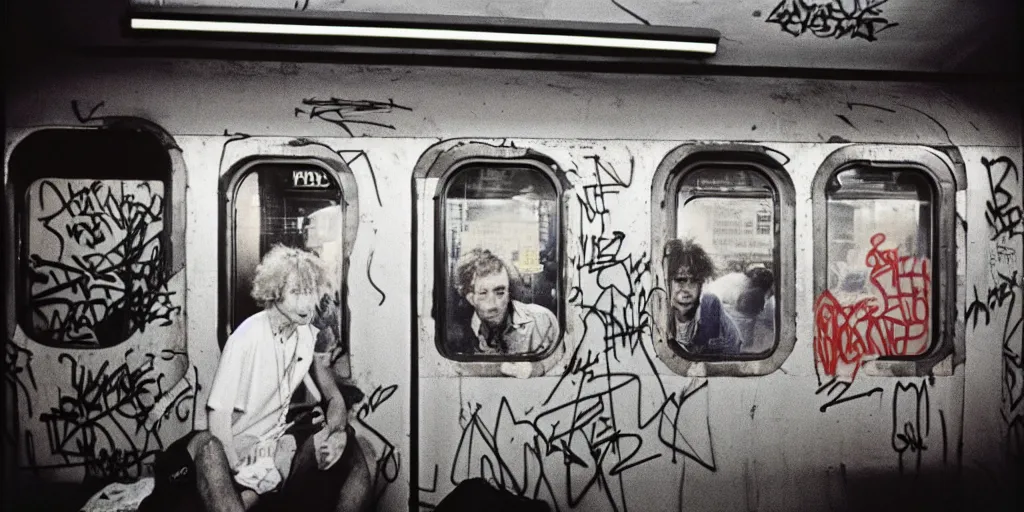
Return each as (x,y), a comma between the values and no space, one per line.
(441,253)
(945,179)
(230,182)
(430,175)
(172,171)
(664,213)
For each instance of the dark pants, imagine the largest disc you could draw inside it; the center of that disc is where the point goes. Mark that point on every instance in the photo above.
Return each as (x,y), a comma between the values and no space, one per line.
(307,488)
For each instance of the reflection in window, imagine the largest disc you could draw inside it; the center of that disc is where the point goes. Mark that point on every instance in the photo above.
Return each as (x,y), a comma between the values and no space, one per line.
(502,263)
(297,205)
(878,300)
(722,269)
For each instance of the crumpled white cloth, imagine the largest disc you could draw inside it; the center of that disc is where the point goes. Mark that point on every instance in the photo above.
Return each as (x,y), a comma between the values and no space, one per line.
(267,464)
(261,476)
(118,497)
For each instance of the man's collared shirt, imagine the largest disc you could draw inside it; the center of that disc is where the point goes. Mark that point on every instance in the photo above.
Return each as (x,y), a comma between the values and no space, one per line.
(685,331)
(531,329)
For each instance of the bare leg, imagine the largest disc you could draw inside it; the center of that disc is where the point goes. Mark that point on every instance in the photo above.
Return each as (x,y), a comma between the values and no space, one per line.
(355,491)
(307,484)
(213,476)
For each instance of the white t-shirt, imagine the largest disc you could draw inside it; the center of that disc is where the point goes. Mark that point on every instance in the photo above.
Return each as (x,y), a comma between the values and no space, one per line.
(257,375)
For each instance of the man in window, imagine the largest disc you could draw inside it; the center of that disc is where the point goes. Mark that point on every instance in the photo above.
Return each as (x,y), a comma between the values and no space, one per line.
(701,325)
(499,324)
(251,455)
(748,299)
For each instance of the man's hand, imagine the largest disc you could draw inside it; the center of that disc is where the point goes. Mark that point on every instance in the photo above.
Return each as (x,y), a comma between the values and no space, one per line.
(336,416)
(330,445)
(330,441)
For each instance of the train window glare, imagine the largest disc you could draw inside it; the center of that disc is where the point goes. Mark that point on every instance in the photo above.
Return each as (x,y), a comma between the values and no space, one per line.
(501,261)
(722,266)
(879,263)
(94,235)
(298,205)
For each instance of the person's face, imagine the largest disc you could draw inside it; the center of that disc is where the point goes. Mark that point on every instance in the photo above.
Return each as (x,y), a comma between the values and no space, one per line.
(298,304)
(489,296)
(685,293)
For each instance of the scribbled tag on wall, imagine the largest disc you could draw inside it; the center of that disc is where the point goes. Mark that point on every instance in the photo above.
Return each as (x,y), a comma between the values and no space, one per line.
(95,260)
(1000,310)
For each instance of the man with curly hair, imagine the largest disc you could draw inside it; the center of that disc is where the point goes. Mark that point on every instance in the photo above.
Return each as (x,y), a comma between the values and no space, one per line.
(701,325)
(249,457)
(500,324)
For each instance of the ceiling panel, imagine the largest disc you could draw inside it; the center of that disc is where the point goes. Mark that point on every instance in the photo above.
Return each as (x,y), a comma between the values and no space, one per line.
(903,35)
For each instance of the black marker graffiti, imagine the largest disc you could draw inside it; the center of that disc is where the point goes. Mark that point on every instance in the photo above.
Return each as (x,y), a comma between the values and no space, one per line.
(88,116)
(108,278)
(388,466)
(19,381)
(975,309)
(18,372)
(579,426)
(931,118)
(101,424)
(861,20)
(847,121)
(851,104)
(339,112)
(1003,216)
(351,157)
(911,421)
(1003,296)
(626,10)
(369,275)
(842,387)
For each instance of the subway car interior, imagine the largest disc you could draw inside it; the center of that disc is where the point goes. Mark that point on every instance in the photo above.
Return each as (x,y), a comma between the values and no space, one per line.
(600,255)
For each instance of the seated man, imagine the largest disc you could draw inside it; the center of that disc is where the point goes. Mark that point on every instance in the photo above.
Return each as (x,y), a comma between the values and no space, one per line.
(499,324)
(701,325)
(247,458)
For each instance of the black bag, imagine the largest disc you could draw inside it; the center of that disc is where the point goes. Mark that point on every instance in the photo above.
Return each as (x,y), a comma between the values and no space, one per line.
(476,494)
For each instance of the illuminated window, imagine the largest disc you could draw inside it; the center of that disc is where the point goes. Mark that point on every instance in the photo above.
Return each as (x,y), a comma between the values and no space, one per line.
(879,255)
(499,264)
(296,203)
(720,268)
(884,292)
(722,234)
(95,211)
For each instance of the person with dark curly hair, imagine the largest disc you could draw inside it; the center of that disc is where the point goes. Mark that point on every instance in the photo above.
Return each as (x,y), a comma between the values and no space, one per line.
(250,457)
(699,324)
(499,324)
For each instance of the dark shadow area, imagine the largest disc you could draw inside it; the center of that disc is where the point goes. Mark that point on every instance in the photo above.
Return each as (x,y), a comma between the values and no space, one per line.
(933,491)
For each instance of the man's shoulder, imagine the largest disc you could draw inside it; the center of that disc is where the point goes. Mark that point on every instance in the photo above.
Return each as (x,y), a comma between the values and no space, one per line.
(534,310)
(251,325)
(710,300)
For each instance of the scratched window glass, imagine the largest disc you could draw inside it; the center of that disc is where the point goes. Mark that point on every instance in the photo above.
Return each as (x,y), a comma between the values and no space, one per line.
(879,258)
(296,205)
(722,268)
(502,264)
(95,259)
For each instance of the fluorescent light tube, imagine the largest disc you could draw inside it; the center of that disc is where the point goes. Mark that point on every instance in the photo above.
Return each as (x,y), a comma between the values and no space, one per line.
(429,34)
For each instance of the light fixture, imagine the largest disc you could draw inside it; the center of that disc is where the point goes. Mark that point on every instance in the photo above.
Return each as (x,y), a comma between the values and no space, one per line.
(458,32)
